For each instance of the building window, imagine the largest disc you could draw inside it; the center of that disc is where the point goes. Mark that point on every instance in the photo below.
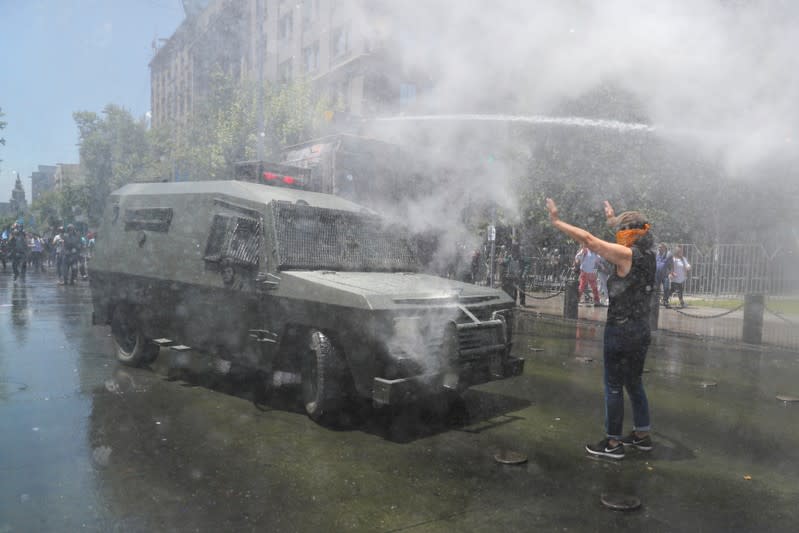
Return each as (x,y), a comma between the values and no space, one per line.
(310,12)
(284,71)
(407,94)
(311,56)
(285,26)
(341,41)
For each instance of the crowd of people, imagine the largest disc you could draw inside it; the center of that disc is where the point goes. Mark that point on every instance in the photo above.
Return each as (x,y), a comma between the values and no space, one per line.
(591,269)
(64,250)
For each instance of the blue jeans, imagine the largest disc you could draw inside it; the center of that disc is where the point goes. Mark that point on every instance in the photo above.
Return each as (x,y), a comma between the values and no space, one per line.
(625,352)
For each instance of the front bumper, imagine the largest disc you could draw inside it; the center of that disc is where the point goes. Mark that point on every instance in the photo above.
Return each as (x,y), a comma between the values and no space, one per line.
(410,389)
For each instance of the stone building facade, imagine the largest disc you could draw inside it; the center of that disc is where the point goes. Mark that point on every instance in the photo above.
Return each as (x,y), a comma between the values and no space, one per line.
(17,206)
(42,180)
(343,46)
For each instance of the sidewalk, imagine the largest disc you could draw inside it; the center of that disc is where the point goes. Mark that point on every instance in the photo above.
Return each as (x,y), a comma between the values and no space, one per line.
(695,321)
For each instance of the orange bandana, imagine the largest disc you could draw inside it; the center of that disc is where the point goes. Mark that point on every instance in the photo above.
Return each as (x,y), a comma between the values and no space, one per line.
(627,237)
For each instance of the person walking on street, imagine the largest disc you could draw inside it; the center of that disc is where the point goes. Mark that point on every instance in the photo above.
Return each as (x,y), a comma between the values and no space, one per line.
(665,262)
(37,250)
(71,255)
(586,260)
(58,247)
(18,245)
(679,274)
(627,330)
(603,270)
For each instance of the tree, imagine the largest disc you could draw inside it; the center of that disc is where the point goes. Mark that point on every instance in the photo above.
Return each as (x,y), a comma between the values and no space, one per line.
(47,209)
(223,128)
(220,132)
(115,149)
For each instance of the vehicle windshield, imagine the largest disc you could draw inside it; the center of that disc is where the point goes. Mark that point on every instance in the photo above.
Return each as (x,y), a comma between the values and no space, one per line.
(314,238)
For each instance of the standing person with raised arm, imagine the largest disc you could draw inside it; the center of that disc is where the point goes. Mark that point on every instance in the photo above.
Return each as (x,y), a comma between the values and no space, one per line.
(627,330)
(679,274)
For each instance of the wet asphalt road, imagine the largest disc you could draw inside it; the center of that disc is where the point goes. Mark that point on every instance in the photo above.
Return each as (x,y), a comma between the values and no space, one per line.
(88,445)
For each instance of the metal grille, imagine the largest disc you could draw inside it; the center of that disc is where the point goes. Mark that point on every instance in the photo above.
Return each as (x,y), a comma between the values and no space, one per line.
(154,219)
(476,341)
(725,270)
(239,238)
(314,238)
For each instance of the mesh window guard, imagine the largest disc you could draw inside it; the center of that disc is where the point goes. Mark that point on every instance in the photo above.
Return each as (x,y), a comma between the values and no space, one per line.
(313,238)
(239,238)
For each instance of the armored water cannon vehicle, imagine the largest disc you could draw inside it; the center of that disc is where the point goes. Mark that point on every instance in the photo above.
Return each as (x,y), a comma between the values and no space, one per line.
(299,283)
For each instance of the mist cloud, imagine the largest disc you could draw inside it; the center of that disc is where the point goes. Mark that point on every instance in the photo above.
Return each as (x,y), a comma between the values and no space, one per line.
(719,73)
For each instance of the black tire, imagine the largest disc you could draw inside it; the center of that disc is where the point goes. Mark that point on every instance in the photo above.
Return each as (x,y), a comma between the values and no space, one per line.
(132,348)
(325,380)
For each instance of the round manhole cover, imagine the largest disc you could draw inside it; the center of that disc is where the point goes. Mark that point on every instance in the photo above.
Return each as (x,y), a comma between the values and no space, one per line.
(787,398)
(508,457)
(620,502)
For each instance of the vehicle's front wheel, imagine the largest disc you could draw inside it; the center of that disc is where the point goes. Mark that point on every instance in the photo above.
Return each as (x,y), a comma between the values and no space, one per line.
(324,377)
(133,348)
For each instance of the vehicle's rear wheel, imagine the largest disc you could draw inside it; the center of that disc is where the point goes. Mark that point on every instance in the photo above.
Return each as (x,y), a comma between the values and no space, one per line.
(324,377)
(133,348)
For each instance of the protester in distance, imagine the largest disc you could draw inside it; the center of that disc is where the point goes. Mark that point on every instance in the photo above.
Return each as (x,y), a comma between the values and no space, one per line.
(84,250)
(603,270)
(18,245)
(627,330)
(679,273)
(4,247)
(58,249)
(586,261)
(72,247)
(664,261)
(36,253)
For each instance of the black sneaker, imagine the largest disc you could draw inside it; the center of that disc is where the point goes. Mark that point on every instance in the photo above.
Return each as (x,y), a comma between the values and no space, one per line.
(603,449)
(642,443)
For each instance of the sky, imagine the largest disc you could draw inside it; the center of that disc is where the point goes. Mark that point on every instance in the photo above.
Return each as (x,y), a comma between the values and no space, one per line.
(62,56)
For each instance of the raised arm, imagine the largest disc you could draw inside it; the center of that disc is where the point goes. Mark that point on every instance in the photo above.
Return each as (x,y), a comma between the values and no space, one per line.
(619,255)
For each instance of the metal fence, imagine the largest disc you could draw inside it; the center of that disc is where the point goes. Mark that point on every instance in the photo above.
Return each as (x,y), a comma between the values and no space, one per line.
(731,270)
(718,271)
(548,270)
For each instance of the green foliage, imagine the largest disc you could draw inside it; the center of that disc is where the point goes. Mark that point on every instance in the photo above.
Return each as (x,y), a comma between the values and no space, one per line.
(47,209)
(115,149)
(293,113)
(7,221)
(677,188)
(223,128)
(54,208)
(218,133)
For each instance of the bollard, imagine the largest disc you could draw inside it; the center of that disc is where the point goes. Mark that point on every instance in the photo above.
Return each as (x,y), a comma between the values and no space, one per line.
(754,305)
(571,299)
(654,310)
